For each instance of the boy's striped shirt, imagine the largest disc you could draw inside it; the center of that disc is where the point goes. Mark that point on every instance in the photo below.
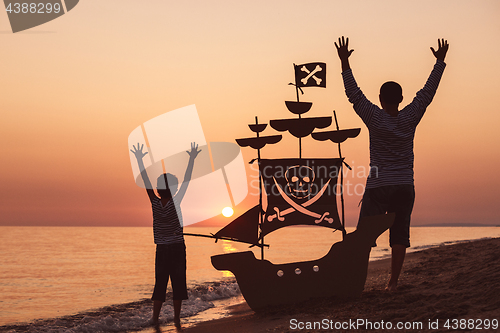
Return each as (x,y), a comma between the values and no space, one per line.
(167,222)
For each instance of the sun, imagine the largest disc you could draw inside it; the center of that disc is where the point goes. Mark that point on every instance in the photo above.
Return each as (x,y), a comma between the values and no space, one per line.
(227,211)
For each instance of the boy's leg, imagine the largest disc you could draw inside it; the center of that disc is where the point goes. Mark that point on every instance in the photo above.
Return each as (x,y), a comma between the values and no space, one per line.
(177,312)
(156,311)
(161,281)
(178,277)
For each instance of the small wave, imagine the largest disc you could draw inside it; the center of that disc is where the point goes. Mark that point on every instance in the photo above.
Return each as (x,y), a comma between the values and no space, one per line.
(130,316)
(430,246)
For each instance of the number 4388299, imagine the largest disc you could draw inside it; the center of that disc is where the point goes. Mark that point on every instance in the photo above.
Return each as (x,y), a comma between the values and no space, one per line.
(33,8)
(471,324)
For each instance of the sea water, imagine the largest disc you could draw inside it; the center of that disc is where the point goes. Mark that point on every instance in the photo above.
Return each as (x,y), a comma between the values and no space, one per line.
(106,275)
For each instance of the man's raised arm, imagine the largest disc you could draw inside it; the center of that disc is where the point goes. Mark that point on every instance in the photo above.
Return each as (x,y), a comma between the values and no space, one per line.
(425,96)
(363,107)
(344,52)
(440,54)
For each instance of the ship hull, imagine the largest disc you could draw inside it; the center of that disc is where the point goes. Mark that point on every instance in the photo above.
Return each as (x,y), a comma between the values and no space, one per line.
(341,272)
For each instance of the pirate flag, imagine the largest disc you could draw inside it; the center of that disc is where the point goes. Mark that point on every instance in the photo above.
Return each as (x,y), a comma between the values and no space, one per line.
(300,191)
(310,75)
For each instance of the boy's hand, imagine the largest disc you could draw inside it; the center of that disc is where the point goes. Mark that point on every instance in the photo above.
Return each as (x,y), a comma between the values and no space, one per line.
(138,152)
(440,54)
(194,151)
(343,48)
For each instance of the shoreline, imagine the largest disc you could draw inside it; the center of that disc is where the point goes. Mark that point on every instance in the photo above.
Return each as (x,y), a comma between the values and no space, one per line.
(449,282)
(460,280)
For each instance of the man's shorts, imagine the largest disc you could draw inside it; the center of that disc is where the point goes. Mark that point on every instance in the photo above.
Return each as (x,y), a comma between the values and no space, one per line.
(397,199)
(170,263)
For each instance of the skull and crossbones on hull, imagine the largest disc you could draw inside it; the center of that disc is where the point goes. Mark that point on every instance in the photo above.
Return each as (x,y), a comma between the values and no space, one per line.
(300,179)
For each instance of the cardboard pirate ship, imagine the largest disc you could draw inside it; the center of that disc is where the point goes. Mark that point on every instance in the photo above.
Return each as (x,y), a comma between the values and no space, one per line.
(299,191)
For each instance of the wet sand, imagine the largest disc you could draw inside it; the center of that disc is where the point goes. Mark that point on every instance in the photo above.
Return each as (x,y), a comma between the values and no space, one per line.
(458,282)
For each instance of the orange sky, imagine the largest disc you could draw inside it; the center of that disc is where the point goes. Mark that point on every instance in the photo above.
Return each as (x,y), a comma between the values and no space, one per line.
(74,88)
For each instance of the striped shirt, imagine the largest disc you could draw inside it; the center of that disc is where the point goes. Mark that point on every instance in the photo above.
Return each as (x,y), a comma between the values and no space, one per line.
(391,138)
(167,222)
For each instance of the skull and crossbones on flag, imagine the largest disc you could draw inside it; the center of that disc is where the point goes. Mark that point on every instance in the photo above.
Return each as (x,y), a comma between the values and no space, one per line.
(300,191)
(310,75)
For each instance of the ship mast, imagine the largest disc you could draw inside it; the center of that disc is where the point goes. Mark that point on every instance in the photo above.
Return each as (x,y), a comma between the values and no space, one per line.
(341,179)
(256,129)
(338,137)
(258,143)
(301,127)
(298,101)
(241,227)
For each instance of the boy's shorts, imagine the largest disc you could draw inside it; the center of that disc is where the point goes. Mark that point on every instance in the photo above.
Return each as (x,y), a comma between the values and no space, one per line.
(170,263)
(388,199)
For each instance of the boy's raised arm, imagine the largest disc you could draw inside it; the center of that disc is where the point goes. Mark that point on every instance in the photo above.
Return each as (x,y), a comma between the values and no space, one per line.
(189,171)
(139,154)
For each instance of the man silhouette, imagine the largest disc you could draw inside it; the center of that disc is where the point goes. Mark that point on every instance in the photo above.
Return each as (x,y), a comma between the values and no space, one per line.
(389,186)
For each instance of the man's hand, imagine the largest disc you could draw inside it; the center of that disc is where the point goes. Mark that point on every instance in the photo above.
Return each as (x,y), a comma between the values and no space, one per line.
(344,52)
(440,54)
(343,49)
(138,152)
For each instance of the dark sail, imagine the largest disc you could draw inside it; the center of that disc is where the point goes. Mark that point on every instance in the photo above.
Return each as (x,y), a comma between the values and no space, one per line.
(300,127)
(338,136)
(259,142)
(300,191)
(244,228)
(298,107)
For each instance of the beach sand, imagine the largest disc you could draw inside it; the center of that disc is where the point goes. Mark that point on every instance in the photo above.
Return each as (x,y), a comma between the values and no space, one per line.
(460,281)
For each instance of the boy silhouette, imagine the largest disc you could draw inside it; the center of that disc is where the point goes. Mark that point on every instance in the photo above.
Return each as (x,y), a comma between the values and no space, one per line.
(170,258)
(389,186)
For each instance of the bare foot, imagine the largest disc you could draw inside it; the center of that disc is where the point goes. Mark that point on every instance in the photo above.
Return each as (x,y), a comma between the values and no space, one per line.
(391,287)
(153,322)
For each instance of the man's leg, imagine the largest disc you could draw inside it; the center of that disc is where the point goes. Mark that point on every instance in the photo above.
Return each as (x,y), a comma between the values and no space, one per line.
(402,202)
(374,202)
(398,257)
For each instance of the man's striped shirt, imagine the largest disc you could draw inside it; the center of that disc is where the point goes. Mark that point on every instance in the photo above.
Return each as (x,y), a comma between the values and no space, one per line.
(167,222)
(391,138)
